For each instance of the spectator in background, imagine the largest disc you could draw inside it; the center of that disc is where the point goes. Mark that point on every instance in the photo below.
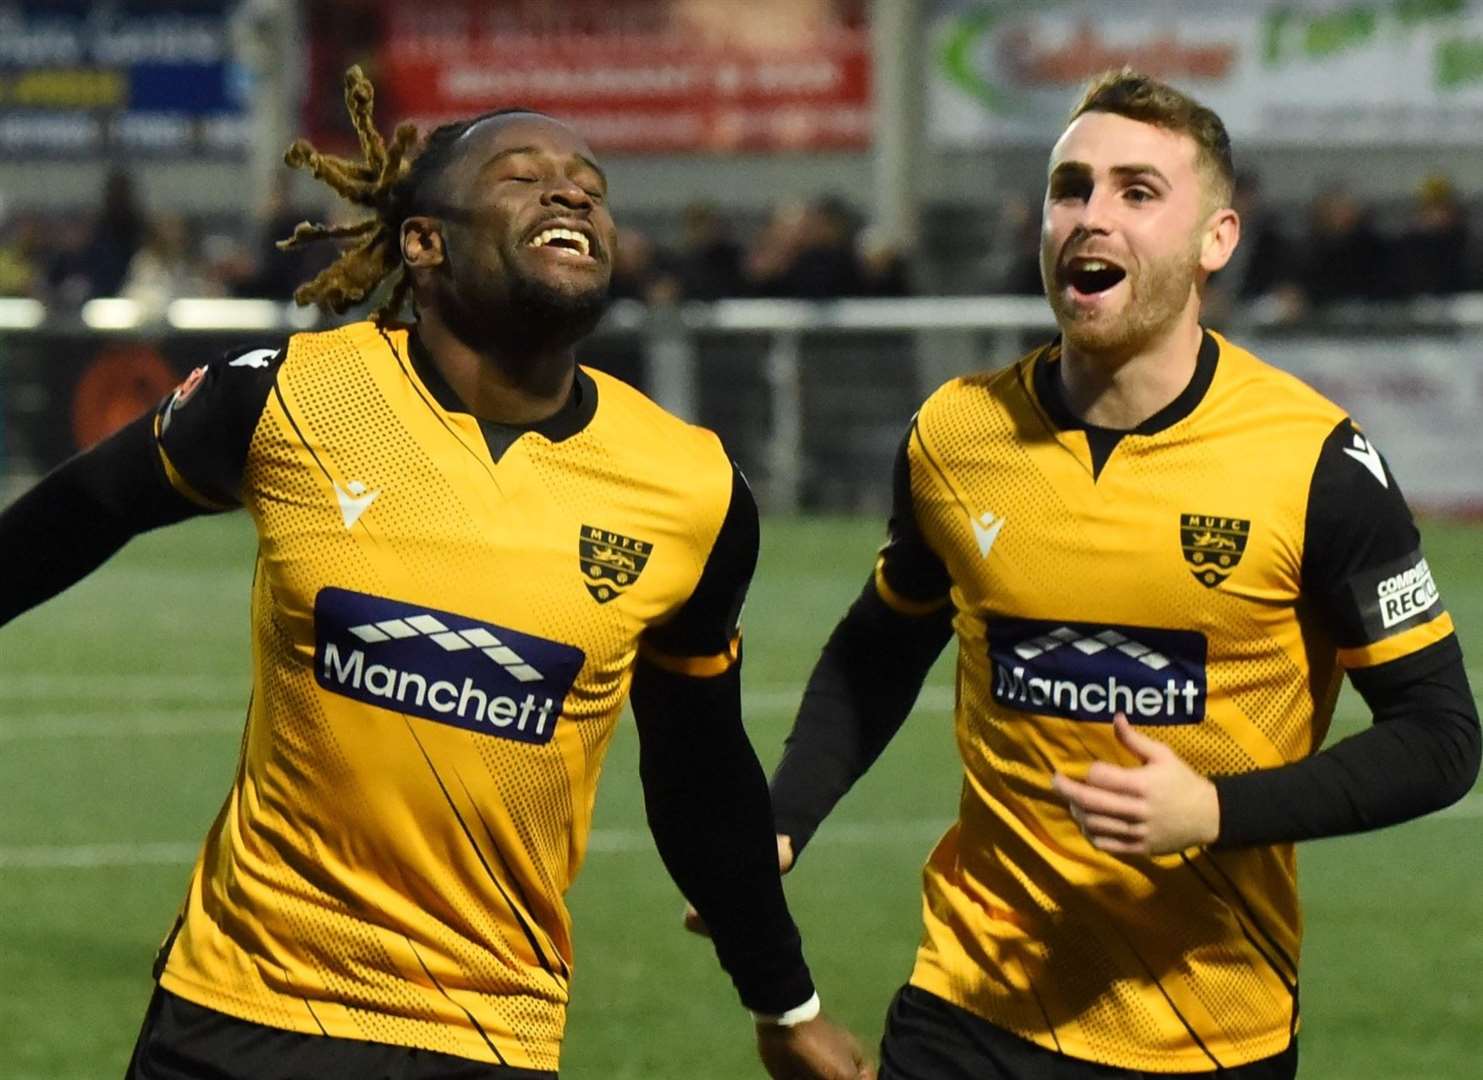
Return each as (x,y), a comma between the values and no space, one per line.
(882,266)
(825,266)
(165,268)
(1012,265)
(272,273)
(1266,266)
(774,249)
(1262,269)
(1346,258)
(89,262)
(709,263)
(807,252)
(639,272)
(118,234)
(20,273)
(1432,249)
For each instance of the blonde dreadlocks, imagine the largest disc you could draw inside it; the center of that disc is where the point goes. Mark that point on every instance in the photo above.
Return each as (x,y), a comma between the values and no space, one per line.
(389,180)
(371,182)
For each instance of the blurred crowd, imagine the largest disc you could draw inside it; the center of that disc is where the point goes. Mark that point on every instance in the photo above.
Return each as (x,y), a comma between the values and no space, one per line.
(150,257)
(1296,260)
(1292,259)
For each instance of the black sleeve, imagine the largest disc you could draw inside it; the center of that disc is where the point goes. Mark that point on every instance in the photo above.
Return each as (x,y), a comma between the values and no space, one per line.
(206,426)
(706,624)
(868,675)
(704,789)
(82,512)
(1366,579)
(706,797)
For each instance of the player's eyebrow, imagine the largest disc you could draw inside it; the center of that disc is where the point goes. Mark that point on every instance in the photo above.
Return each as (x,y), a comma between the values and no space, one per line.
(1080,170)
(513,150)
(1133,172)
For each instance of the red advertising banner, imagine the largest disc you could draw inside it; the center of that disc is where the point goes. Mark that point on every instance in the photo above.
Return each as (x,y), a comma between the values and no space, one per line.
(638,75)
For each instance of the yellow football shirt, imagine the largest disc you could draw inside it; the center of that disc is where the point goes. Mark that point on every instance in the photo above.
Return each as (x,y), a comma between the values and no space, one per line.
(1181,579)
(445,619)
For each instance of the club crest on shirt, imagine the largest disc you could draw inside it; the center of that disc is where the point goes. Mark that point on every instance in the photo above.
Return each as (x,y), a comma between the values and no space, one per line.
(610,561)
(186,389)
(182,394)
(1212,545)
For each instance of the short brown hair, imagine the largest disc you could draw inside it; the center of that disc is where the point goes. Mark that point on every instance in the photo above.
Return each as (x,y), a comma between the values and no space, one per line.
(1125,92)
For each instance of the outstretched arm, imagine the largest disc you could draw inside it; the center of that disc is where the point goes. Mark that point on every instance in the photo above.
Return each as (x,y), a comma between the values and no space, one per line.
(180,460)
(82,512)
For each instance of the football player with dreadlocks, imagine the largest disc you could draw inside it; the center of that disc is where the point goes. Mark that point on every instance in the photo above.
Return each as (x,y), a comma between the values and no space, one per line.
(471,551)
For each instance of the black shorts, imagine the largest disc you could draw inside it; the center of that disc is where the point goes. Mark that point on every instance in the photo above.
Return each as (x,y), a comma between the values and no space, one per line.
(928,1038)
(183,1041)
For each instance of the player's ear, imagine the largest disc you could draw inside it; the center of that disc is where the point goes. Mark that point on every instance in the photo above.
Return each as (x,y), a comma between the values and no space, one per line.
(1218,241)
(422,242)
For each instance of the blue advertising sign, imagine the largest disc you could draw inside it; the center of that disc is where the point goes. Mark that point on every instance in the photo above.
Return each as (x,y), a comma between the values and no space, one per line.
(122,79)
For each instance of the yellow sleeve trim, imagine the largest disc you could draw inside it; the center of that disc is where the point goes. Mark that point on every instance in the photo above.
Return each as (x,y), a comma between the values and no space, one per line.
(898,603)
(1402,644)
(704,667)
(180,483)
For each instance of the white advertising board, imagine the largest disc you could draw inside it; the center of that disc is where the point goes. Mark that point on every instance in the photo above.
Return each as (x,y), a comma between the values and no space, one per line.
(1418,399)
(1315,73)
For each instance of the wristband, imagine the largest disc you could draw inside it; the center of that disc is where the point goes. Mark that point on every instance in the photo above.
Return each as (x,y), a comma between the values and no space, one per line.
(799,1014)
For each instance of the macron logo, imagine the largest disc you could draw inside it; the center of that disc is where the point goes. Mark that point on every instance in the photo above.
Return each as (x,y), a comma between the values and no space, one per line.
(986,529)
(354,501)
(258,358)
(1365,453)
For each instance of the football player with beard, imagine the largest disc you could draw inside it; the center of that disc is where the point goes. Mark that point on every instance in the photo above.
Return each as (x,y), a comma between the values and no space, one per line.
(1160,557)
(472,550)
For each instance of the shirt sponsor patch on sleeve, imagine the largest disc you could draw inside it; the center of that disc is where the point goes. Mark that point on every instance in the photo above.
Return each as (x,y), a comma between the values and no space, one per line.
(1396,596)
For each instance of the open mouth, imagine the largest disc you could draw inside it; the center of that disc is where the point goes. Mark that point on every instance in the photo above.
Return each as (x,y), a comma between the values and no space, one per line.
(560,239)
(1090,276)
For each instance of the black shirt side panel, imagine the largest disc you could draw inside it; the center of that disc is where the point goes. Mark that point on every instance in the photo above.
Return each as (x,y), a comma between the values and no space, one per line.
(1359,533)
(82,512)
(706,624)
(206,426)
(911,568)
(1361,567)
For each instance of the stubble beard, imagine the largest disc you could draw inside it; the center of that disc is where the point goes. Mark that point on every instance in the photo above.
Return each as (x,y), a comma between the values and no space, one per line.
(527,315)
(548,313)
(1155,299)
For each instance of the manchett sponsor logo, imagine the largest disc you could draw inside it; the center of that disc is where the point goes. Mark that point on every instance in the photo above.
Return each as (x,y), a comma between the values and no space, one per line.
(442,666)
(1406,594)
(1082,671)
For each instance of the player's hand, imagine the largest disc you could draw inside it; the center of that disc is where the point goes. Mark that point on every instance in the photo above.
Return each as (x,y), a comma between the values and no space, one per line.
(1160,806)
(818,1049)
(696,925)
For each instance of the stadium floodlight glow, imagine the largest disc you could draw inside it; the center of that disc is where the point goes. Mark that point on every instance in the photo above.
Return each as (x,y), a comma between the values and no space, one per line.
(111,313)
(217,313)
(21,313)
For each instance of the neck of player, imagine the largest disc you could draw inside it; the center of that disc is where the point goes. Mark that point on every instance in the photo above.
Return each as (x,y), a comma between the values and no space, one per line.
(503,385)
(1119,390)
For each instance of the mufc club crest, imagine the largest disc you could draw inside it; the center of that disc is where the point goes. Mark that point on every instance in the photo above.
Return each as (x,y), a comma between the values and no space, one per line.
(1212,545)
(610,561)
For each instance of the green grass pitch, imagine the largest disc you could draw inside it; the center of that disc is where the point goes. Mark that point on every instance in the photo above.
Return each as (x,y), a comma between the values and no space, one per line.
(120,710)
